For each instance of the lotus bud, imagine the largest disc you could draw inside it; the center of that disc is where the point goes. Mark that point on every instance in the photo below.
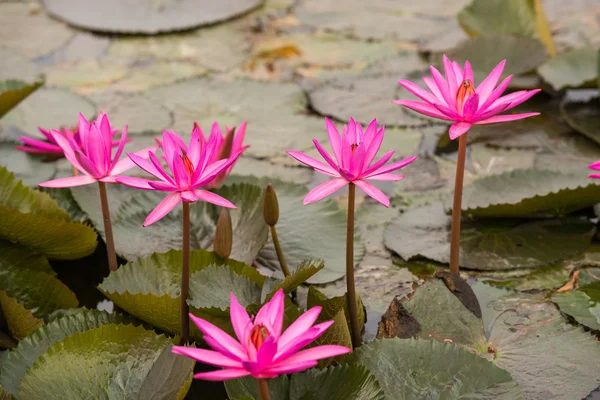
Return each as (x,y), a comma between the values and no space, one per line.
(271,206)
(223,240)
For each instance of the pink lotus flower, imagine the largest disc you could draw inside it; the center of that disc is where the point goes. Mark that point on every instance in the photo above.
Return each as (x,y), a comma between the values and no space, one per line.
(191,169)
(596,167)
(261,349)
(49,148)
(354,154)
(231,143)
(92,153)
(456,98)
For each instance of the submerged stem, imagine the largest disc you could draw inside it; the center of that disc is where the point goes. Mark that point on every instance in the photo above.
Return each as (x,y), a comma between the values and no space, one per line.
(184,309)
(110,241)
(457,205)
(350,288)
(280,256)
(263,388)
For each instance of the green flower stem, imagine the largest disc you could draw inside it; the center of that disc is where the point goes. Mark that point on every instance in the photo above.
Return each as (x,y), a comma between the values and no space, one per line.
(280,257)
(457,205)
(110,241)
(351,289)
(184,309)
(263,388)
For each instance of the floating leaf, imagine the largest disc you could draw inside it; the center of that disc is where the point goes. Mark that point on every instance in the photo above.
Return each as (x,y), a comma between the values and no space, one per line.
(300,275)
(149,288)
(522,54)
(574,68)
(520,17)
(342,382)
(22,358)
(582,116)
(529,193)
(130,207)
(90,363)
(489,244)
(317,230)
(524,335)
(415,369)
(581,304)
(13,92)
(147,18)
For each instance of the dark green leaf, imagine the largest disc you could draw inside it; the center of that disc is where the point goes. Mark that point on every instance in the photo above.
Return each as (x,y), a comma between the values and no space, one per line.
(498,244)
(426,369)
(247,387)
(582,304)
(13,92)
(582,116)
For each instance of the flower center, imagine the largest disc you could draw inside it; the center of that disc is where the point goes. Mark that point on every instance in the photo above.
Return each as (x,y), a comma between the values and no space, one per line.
(465,90)
(258,335)
(187,163)
(354,146)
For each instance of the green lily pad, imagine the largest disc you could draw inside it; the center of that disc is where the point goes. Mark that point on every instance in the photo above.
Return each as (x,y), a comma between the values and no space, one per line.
(574,68)
(584,117)
(130,207)
(522,54)
(147,18)
(545,278)
(149,288)
(110,361)
(317,230)
(280,114)
(24,356)
(519,17)
(415,369)
(13,92)
(523,334)
(342,382)
(529,193)
(31,170)
(29,288)
(32,218)
(490,244)
(581,304)
(49,109)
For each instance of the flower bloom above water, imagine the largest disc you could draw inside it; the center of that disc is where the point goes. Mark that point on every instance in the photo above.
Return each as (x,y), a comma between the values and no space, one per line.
(354,153)
(456,99)
(49,147)
(261,349)
(91,153)
(191,168)
(596,167)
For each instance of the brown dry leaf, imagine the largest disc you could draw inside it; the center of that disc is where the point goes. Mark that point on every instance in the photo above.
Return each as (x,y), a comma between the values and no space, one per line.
(573,283)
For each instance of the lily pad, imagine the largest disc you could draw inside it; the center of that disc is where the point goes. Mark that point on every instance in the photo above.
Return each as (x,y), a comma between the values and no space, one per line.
(415,369)
(522,54)
(574,68)
(584,117)
(147,18)
(130,207)
(149,288)
(50,109)
(342,382)
(29,289)
(106,362)
(545,278)
(490,244)
(13,92)
(581,304)
(24,356)
(529,193)
(315,231)
(520,17)
(280,113)
(525,335)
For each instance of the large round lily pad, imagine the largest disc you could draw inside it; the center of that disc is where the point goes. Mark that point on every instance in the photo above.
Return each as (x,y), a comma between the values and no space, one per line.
(581,304)
(529,193)
(143,17)
(583,116)
(523,334)
(488,244)
(111,361)
(573,68)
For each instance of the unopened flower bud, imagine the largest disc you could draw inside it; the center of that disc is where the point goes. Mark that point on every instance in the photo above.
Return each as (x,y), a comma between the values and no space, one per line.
(223,240)
(271,206)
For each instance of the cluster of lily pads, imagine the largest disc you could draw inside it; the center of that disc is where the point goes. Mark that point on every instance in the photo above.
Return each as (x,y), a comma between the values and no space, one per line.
(241,276)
